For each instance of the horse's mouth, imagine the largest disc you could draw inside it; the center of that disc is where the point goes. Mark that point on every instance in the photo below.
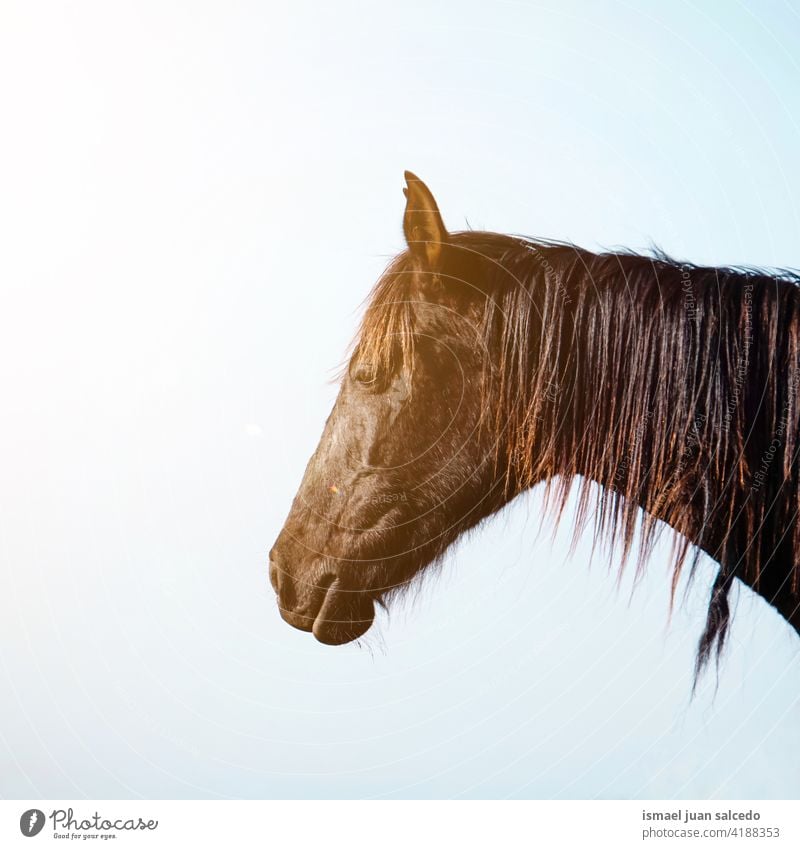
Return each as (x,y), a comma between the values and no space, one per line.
(333,615)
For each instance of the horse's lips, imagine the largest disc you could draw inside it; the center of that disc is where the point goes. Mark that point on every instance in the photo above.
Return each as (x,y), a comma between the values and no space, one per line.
(342,616)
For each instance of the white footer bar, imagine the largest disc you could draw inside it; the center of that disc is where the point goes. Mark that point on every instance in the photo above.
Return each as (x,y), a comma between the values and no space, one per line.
(401,824)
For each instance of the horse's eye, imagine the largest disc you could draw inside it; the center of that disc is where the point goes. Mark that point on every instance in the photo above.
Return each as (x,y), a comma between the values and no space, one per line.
(364,373)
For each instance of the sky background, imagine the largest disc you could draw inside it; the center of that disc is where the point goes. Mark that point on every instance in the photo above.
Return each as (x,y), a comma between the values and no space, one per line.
(196,198)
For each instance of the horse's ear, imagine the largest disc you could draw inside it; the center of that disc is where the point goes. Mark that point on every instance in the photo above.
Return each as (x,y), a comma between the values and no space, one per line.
(422,223)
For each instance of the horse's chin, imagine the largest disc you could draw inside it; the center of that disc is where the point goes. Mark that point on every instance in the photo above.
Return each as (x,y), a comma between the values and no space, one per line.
(344,616)
(339,633)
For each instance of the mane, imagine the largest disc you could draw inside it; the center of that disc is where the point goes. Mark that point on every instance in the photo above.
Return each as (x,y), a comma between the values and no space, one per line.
(385,338)
(672,385)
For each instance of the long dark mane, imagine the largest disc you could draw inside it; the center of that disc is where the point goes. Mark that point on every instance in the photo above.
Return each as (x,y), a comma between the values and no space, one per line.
(673,386)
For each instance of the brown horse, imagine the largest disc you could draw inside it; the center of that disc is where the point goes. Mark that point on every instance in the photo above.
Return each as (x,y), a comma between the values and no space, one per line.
(486,364)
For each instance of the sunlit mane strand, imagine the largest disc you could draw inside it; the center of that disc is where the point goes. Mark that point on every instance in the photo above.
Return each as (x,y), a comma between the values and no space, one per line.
(385,341)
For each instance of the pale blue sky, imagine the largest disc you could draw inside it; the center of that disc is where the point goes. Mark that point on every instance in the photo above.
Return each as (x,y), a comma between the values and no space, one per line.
(196,199)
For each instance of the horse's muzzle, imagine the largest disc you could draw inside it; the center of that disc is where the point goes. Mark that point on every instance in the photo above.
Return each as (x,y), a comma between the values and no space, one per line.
(318,603)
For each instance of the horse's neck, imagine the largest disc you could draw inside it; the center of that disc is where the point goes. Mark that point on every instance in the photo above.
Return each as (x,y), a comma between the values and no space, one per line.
(656,432)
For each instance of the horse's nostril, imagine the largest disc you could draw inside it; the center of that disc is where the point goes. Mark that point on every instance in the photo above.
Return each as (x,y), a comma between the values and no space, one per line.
(275,575)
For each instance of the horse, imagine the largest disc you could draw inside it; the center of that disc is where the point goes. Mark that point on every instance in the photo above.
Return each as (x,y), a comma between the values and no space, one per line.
(487,364)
